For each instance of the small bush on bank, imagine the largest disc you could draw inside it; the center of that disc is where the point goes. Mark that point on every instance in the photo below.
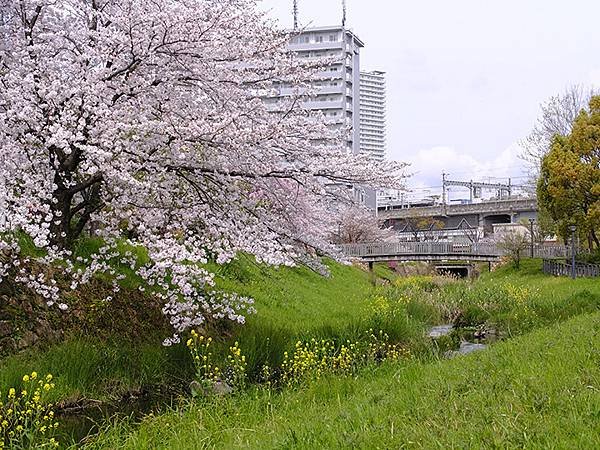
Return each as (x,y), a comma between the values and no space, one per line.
(589,258)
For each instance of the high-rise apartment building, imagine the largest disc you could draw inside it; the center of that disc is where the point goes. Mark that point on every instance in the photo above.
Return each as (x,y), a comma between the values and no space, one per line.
(337,87)
(372,114)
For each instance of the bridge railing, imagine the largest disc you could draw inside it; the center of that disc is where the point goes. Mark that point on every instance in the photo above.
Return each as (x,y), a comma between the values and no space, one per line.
(420,248)
(445,249)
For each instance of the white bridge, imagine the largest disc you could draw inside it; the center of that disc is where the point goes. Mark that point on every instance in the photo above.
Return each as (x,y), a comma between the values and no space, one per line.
(444,251)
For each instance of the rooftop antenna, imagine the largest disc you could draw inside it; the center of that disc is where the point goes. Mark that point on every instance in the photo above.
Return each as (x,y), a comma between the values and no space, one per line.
(344,13)
(295,14)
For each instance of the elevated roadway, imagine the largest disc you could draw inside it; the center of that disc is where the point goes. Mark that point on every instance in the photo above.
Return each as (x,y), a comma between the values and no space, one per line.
(498,207)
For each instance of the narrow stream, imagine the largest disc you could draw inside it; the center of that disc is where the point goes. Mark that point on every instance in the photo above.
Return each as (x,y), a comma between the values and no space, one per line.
(78,423)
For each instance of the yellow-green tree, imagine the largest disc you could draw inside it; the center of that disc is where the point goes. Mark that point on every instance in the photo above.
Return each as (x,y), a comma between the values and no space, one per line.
(569,184)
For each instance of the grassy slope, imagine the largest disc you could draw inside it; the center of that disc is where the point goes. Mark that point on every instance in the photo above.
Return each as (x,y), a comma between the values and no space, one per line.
(294,303)
(537,391)
(297,298)
(290,302)
(530,274)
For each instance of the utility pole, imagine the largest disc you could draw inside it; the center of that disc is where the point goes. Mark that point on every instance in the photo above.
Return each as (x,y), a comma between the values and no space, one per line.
(295,14)
(477,187)
(344,13)
(443,188)
(573,228)
(471,192)
(531,220)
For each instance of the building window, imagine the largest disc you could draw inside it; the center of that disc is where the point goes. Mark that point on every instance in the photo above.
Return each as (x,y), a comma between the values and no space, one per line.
(319,38)
(332,38)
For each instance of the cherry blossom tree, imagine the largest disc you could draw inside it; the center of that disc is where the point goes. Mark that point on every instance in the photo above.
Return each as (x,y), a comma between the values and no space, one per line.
(357,224)
(157,123)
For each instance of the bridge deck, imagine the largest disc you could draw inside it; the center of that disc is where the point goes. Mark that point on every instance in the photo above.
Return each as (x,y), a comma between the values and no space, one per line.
(442,251)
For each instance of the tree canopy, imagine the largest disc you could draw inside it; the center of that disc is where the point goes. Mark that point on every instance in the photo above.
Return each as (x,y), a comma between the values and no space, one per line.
(557,115)
(569,184)
(149,120)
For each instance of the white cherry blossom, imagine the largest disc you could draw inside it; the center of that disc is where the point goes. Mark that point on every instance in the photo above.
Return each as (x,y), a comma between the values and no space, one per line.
(146,122)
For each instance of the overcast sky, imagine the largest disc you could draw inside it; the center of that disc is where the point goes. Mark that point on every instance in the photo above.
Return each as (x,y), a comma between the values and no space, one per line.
(465,77)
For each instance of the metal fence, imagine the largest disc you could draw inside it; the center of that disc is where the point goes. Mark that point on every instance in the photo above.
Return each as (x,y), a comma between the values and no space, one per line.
(560,269)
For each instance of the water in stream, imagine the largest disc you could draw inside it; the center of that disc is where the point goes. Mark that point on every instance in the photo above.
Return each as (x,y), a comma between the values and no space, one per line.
(440,330)
(80,422)
(464,348)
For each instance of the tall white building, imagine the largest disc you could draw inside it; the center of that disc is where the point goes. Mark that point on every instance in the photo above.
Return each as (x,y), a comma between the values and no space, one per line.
(337,88)
(372,114)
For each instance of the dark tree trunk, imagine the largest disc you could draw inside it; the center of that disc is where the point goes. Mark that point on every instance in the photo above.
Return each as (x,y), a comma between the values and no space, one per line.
(74,200)
(595,239)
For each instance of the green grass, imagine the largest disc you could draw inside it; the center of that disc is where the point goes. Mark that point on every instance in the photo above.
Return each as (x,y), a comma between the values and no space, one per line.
(292,303)
(536,391)
(296,298)
(507,300)
(554,299)
(418,397)
(295,303)
(530,273)
(87,369)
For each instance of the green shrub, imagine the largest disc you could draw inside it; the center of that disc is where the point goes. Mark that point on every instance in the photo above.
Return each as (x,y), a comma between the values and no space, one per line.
(589,258)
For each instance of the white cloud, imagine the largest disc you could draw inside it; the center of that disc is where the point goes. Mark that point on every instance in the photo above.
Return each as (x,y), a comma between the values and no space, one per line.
(427,166)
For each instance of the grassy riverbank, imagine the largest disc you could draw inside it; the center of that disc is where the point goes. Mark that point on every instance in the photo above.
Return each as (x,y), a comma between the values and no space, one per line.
(378,404)
(291,303)
(540,390)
